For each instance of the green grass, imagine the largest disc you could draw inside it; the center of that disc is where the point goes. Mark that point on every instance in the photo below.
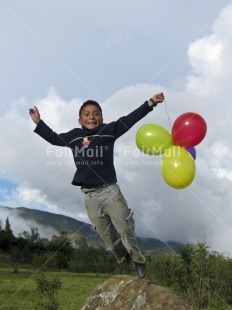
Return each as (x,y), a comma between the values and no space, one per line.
(18,290)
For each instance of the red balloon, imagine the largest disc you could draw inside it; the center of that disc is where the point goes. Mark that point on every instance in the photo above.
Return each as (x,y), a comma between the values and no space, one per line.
(188,130)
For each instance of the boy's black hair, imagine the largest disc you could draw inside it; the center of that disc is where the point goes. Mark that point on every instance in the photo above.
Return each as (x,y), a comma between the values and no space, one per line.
(88,102)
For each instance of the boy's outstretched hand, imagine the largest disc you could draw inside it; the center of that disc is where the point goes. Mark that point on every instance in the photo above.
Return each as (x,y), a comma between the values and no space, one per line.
(35,116)
(157,98)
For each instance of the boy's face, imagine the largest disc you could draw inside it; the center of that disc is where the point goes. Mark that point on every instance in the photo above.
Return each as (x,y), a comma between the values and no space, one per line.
(90,117)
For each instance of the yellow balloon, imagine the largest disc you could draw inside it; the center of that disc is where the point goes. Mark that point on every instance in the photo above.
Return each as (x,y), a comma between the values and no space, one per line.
(153,139)
(178,167)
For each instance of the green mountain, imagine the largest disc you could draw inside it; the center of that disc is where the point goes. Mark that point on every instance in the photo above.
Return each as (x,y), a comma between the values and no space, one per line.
(64,223)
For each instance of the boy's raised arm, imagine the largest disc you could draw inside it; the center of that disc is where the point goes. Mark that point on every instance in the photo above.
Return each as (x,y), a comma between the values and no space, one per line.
(123,124)
(45,131)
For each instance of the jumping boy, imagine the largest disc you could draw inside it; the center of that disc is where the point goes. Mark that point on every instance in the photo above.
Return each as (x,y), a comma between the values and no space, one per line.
(93,149)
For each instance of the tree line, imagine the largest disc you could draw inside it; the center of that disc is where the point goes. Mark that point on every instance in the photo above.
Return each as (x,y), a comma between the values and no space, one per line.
(201,277)
(61,252)
(198,275)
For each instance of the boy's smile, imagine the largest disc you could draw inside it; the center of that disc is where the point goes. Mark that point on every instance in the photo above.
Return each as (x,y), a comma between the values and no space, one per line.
(90,117)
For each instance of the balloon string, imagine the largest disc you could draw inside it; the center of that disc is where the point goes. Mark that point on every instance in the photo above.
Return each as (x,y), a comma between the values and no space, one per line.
(167,114)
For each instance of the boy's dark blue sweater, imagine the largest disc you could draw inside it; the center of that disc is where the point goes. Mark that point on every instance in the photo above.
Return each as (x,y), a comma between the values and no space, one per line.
(94,163)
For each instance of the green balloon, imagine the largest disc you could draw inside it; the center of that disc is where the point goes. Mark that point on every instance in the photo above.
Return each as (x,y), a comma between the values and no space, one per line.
(178,167)
(153,139)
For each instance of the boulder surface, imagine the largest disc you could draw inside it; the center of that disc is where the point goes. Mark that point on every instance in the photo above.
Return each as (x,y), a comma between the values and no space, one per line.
(124,292)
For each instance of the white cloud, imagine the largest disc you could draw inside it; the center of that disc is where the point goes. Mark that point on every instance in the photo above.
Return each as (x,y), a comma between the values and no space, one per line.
(206,61)
(210,58)
(210,80)
(33,197)
(58,112)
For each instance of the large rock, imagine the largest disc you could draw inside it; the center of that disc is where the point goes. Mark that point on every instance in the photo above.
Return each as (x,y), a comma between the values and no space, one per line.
(130,293)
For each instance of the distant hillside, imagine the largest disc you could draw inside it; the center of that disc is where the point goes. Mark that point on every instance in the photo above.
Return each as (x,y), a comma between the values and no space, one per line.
(58,222)
(64,223)
(156,246)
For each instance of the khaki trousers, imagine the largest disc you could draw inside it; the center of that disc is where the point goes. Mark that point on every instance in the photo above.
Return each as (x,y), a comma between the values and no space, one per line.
(107,209)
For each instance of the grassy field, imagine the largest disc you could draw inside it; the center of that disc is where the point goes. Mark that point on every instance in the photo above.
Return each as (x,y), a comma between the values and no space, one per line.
(18,291)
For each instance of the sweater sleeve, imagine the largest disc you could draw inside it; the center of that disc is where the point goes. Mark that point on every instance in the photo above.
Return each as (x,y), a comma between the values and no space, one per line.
(123,124)
(44,131)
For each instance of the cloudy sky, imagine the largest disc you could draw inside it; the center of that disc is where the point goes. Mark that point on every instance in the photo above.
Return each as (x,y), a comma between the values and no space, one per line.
(57,54)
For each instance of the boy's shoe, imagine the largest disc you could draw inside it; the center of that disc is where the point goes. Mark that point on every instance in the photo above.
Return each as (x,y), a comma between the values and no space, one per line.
(141,269)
